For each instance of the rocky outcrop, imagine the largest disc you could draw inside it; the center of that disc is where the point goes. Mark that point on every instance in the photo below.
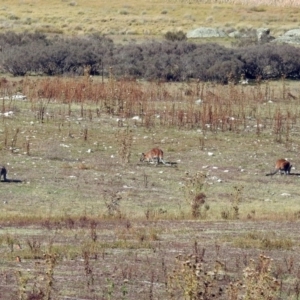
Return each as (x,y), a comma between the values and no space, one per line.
(261,35)
(205,32)
(290,37)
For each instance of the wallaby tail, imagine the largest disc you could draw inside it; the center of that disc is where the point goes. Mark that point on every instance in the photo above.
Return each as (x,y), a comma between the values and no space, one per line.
(161,160)
(273,173)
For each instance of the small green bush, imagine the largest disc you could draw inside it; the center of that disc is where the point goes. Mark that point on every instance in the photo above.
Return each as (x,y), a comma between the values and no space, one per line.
(175,36)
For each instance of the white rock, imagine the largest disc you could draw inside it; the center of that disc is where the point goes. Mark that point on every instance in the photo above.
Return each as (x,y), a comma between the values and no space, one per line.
(244,81)
(136,118)
(18,96)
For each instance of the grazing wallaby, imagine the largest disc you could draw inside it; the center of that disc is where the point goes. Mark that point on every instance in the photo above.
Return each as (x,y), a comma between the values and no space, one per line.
(283,166)
(154,154)
(3,173)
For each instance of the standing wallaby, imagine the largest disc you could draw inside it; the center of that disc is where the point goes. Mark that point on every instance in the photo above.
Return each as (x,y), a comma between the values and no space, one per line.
(283,166)
(3,173)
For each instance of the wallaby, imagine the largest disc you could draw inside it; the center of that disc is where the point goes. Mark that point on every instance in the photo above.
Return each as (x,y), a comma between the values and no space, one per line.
(153,155)
(283,166)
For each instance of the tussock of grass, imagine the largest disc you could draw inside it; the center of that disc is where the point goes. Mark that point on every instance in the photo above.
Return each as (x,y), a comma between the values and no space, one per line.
(261,240)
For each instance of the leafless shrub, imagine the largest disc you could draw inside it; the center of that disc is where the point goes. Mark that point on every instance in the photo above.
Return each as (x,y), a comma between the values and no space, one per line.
(124,139)
(193,194)
(112,203)
(34,246)
(258,280)
(32,288)
(93,227)
(196,204)
(199,280)
(233,211)
(193,278)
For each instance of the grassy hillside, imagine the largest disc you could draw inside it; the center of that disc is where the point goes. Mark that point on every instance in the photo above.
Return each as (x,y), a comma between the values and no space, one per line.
(144,19)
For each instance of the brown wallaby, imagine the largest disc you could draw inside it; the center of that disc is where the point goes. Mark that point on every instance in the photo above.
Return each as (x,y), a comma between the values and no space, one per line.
(283,166)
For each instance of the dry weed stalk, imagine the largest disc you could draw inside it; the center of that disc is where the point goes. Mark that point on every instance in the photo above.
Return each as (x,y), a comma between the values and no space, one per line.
(124,139)
(14,140)
(112,203)
(278,125)
(259,282)
(145,177)
(192,279)
(88,269)
(27,146)
(233,211)
(22,284)
(93,227)
(51,261)
(32,286)
(34,246)
(10,242)
(193,194)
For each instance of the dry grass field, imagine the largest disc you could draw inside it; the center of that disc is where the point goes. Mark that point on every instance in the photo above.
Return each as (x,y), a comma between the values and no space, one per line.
(82,218)
(140,20)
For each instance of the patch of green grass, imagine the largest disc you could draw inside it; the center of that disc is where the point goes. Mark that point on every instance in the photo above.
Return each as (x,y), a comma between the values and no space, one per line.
(261,240)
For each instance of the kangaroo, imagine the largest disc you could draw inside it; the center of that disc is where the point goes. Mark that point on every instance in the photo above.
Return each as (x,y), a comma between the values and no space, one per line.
(3,173)
(283,166)
(154,154)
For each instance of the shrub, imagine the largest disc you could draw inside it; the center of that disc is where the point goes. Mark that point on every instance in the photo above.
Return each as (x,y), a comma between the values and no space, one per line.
(175,36)
(171,60)
(54,57)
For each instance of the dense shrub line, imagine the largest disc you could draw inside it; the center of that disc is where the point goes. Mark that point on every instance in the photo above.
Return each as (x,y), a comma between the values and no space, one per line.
(170,60)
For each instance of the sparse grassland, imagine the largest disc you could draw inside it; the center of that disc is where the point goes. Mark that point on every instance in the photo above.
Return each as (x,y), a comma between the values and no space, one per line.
(142,20)
(82,217)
